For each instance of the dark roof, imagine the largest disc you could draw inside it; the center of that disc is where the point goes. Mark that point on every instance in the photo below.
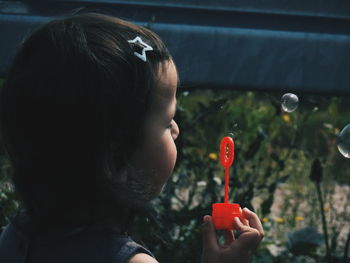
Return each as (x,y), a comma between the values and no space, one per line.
(290,45)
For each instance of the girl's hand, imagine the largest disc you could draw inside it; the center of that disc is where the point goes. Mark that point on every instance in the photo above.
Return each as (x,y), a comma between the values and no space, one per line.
(233,250)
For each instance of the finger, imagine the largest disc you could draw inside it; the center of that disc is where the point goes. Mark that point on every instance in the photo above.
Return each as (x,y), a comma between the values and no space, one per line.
(243,220)
(253,219)
(239,226)
(248,239)
(228,237)
(208,234)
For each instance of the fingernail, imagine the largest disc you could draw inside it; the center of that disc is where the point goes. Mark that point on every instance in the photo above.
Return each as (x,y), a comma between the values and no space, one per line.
(206,219)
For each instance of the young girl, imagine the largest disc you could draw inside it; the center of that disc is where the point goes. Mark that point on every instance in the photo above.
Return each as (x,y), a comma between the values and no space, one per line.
(87,119)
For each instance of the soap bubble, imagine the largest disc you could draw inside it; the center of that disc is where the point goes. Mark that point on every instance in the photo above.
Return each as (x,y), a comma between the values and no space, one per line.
(344,141)
(290,102)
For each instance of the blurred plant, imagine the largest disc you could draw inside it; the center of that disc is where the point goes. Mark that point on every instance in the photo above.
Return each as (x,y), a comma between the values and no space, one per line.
(304,241)
(316,177)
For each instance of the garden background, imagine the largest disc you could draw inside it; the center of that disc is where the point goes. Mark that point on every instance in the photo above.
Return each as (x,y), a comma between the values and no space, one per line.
(287,169)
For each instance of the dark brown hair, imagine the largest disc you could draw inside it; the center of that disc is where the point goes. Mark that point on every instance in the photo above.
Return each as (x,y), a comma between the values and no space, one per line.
(72,110)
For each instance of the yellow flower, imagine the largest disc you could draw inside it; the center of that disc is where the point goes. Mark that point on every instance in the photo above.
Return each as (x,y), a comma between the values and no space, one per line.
(265,220)
(213,156)
(286,118)
(279,220)
(299,218)
(325,209)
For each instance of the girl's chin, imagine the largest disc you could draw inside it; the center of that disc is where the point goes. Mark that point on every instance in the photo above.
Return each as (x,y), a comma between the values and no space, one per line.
(158,189)
(161,189)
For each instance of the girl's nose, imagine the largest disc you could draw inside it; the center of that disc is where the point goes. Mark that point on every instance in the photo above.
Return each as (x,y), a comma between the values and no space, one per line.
(175,131)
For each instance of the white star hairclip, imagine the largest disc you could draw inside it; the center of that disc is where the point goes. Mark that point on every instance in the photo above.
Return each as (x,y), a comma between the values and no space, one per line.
(146,47)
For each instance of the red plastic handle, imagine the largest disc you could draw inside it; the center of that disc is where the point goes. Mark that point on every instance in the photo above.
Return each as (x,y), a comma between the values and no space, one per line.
(227,151)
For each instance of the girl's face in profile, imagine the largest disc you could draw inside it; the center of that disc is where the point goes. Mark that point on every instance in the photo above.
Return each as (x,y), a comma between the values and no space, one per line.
(155,159)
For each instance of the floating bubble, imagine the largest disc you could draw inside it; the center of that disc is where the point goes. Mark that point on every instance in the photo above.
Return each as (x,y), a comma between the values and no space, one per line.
(290,102)
(344,141)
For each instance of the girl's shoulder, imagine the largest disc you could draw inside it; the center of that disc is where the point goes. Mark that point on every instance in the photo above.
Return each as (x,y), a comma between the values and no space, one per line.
(87,245)
(142,258)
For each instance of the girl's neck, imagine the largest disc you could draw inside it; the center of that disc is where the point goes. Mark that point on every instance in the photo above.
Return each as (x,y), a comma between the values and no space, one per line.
(114,217)
(103,215)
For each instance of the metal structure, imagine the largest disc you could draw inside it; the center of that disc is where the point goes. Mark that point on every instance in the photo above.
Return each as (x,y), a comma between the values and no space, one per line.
(289,45)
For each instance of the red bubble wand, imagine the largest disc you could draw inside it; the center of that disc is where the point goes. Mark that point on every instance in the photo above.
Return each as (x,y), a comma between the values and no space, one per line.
(227,156)
(223,213)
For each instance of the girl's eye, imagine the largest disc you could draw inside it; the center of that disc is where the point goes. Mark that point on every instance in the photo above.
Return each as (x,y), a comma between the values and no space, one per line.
(170,126)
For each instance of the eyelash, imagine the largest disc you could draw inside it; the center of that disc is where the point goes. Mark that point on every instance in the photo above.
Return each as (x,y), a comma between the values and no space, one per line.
(170,126)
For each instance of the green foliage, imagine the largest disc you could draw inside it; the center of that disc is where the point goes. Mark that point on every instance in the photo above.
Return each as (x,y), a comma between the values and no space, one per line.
(304,241)
(274,152)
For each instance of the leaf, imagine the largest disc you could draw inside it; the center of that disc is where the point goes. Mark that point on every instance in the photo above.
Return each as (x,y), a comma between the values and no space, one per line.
(254,147)
(281,164)
(266,205)
(283,179)
(316,171)
(274,156)
(304,241)
(272,187)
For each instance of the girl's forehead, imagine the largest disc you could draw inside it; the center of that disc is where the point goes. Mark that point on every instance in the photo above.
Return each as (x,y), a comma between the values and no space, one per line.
(167,79)
(164,93)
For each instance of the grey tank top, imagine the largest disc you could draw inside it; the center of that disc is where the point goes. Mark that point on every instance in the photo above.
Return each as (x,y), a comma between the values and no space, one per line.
(89,245)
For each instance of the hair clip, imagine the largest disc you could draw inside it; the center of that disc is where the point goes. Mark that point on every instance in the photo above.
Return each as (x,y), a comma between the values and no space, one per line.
(145,47)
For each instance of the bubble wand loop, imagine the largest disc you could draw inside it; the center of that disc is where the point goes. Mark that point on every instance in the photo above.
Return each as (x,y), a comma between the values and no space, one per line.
(224,213)
(227,155)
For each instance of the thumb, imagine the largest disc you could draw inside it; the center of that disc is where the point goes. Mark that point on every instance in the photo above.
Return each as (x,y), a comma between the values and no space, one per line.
(209,234)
